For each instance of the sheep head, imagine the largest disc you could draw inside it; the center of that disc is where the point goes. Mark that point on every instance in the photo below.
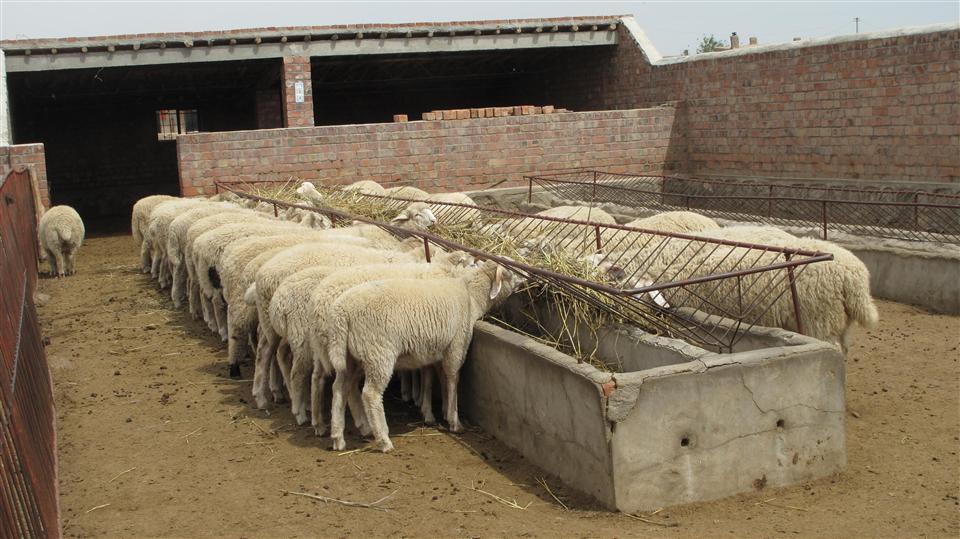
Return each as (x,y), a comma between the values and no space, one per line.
(309,193)
(418,215)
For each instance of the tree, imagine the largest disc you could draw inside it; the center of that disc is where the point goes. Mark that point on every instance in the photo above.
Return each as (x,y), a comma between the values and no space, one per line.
(710,44)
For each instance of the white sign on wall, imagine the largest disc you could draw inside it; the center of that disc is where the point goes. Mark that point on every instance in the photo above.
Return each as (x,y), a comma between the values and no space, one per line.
(298,91)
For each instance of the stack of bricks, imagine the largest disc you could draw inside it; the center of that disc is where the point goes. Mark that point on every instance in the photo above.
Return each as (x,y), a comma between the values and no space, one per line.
(489,112)
(26,155)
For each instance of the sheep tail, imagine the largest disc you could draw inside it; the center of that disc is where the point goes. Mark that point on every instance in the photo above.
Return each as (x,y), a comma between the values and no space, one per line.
(250,296)
(859,304)
(65,234)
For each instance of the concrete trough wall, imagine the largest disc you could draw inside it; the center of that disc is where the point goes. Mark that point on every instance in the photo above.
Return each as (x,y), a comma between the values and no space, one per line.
(688,425)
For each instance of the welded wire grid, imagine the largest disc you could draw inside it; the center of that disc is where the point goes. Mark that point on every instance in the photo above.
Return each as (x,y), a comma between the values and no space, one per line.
(707,292)
(904,215)
(28,459)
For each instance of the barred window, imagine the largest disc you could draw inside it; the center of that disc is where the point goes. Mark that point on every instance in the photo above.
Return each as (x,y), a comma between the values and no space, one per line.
(173,122)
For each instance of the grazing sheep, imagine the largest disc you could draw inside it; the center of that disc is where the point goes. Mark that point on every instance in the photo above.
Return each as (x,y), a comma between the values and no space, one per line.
(237,269)
(61,235)
(406,324)
(292,318)
(683,222)
(155,235)
(365,186)
(761,234)
(290,261)
(832,295)
(207,249)
(140,219)
(408,192)
(454,214)
(177,234)
(310,219)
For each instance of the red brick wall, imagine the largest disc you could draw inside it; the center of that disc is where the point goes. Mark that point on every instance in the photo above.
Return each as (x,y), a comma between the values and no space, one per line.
(438,156)
(874,109)
(29,155)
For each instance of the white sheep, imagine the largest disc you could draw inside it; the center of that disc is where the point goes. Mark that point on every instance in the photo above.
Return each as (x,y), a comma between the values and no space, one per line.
(206,251)
(155,235)
(408,192)
(406,324)
(683,222)
(61,235)
(365,186)
(454,214)
(139,220)
(832,295)
(177,235)
(294,259)
(292,318)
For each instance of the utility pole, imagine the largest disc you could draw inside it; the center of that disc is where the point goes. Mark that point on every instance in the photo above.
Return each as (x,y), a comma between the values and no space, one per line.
(857,21)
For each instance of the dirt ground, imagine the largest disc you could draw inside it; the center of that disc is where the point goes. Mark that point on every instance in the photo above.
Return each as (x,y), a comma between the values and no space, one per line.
(156,440)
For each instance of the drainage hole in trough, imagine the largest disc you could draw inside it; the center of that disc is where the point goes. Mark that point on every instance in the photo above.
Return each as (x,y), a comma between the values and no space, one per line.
(780,423)
(684,442)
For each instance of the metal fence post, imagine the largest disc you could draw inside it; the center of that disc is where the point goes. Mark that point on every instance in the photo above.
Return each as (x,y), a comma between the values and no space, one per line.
(793,295)
(594,196)
(529,189)
(916,211)
(596,230)
(426,249)
(770,201)
(823,216)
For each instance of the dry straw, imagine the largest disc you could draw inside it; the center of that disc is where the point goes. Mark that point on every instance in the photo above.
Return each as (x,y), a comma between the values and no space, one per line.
(578,322)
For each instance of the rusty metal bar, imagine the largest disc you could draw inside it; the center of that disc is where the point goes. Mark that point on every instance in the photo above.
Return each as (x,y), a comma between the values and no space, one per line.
(823,215)
(426,249)
(793,296)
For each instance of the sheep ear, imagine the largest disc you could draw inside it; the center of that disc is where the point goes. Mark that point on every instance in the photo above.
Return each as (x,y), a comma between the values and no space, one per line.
(497,283)
(402,218)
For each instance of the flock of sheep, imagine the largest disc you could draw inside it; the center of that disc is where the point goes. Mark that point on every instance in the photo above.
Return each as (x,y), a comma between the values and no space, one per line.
(304,297)
(311,302)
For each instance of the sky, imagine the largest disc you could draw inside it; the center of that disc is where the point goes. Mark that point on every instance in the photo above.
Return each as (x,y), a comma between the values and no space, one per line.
(672,25)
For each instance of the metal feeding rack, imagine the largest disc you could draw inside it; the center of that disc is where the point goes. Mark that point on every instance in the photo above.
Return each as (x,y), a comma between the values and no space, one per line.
(903,215)
(704,291)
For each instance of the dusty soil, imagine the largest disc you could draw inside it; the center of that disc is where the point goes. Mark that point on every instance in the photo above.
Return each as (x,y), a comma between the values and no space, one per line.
(156,440)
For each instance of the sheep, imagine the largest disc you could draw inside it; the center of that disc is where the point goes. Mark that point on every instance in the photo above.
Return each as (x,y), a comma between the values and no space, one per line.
(61,235)
(406,324)
(197,301)
(832,295)
(683,222)
(207,249)
(416,215)
(288,262)
(408,192)
(547,234)
(310,219)
(155,234)
(454,214)
(291,317)
(177,234)
(140,217)
(365,186)
(237,268)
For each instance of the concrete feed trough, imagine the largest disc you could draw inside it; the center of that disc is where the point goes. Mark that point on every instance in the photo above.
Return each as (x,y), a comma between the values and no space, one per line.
(679,424)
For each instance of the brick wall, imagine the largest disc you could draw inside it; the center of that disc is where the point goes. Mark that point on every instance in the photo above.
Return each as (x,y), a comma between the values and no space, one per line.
(438,156)
(883,108)
(28,155)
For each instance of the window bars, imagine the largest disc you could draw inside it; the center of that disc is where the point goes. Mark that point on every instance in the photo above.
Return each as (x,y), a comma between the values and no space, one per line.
(705,291)
(903,215)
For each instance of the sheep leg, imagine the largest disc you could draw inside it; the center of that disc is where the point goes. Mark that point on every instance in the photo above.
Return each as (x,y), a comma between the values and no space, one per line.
(426,395)
(373,388)
(145,262)
(207,311)
(415,390)
(154,264)
(337,409)
(52,260)
(405,386)
(236,342)
(71,262)
(300,376)
(280,370)
(176,288)
(355,403)
(220,314)
(193,297)
(163,272)
(451,366)
(266,348)
(317,383)
(61,265)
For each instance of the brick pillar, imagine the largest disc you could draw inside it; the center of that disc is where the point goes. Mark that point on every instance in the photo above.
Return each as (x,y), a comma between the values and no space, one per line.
(296,69)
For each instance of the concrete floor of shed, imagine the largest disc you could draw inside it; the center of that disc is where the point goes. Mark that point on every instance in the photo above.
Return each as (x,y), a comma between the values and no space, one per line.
(156,437)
